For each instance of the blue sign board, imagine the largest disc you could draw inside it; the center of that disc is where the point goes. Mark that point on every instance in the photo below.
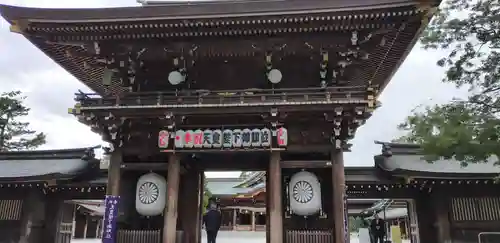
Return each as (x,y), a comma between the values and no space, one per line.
(110,217)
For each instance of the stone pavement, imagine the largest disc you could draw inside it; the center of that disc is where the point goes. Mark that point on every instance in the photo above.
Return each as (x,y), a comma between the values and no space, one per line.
(228,237)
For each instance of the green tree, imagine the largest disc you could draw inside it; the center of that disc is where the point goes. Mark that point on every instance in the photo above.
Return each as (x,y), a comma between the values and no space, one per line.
(206,196)
(466,129)
(15,134)
(355,223)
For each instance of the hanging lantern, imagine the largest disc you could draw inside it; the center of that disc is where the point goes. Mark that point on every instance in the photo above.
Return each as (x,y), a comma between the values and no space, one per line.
(189,139)
(282,137)
(255,136)
(217,138)
(179,139)
(265,137)
(237,139)
(305,194)
(246,137)
(151,194)
(198,138)
(163,138)
(207,138)
(227,138)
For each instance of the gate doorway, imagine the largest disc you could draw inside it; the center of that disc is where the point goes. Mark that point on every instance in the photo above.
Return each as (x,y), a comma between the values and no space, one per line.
(242,203)
(400,222)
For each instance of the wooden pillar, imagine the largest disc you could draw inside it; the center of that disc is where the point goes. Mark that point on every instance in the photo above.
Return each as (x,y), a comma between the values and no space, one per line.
(426,217)
(86,227)
(441,209)
(114,173)
(253,221)
(170,215)
(188,210)
(73,226)
(268,209)
(114,176)
(275,203)
(97,229)
(201,196)
(234,218)
(338,179)
(199,205)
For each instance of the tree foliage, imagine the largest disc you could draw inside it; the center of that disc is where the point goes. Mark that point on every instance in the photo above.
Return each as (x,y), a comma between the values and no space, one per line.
(355,223)
(467,129)
(15,134)
(206,196)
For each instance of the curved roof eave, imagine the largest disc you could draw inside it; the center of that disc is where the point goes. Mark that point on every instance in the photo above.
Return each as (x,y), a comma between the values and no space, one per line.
(194,10)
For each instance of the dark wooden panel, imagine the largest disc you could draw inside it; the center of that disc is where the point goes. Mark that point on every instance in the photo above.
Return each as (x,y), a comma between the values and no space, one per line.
(475,209)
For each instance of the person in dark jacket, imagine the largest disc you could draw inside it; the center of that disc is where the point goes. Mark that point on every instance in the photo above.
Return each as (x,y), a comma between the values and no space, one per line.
(212,220)
(377,229)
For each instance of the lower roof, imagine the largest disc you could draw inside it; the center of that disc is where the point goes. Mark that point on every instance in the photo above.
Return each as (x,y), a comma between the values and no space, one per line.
(408,160)
(44,165)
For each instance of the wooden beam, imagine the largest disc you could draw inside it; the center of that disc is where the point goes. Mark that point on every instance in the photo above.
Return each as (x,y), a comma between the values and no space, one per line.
(290,164)
(150,147)
(145,166)
(150,166)
(141,111)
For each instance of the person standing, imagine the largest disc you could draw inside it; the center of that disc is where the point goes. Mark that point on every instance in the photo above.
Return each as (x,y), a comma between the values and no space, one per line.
(377,228)
(212,220)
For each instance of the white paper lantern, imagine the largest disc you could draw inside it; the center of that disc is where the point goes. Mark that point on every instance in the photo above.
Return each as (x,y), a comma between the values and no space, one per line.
(246,137)
(198,138)
(179,139)
(163,139)
(151,194)
(237,141)
(227,137)
(217,138)
(255,137)
(305,194)
(265,137)
(282,137)
(189,139)
(207,138)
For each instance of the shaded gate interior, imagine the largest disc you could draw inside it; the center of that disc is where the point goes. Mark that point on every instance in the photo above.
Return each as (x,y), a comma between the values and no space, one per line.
(315,228)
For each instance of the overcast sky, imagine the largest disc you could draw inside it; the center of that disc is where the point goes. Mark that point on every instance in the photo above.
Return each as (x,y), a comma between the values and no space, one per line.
(50,89)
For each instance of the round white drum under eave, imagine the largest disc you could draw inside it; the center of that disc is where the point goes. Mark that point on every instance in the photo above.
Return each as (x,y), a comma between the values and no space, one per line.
(151,194)
(305,194)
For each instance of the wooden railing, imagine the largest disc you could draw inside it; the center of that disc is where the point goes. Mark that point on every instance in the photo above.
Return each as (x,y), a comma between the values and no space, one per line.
(475,209)
(10,209)
(64,233)
(143,236)
(221,97)
(309,236)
